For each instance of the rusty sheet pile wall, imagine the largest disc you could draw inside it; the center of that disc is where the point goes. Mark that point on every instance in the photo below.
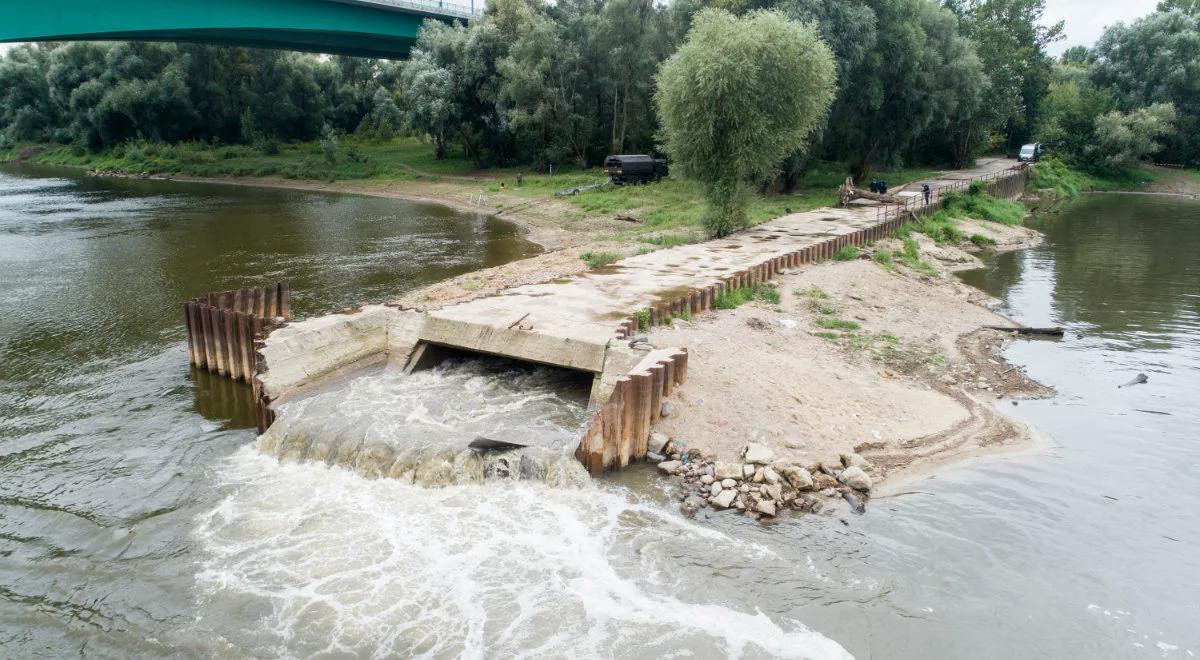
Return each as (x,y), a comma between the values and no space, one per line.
(224,328)
(619,430)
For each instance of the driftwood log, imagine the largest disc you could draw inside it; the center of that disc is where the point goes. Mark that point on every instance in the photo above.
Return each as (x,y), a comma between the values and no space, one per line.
(1053,332)
(847,192)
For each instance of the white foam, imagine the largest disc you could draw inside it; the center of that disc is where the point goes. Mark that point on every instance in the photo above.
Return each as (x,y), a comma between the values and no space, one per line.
(302,559)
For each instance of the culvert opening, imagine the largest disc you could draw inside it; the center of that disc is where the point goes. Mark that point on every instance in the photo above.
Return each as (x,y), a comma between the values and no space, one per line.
(418,426)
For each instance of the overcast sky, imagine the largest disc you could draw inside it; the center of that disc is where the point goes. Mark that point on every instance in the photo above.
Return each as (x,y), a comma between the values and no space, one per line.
(1085,19)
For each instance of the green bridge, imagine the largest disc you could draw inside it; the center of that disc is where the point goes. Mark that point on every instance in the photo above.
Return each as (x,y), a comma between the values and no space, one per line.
(367,28)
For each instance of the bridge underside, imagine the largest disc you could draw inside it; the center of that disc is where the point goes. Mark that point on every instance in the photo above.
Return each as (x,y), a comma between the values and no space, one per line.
(322,26)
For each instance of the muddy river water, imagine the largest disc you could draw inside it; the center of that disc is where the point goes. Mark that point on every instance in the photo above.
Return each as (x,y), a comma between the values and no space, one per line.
(138,518)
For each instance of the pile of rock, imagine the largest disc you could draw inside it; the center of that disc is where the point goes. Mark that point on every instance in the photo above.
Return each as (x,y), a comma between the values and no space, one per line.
(758,484)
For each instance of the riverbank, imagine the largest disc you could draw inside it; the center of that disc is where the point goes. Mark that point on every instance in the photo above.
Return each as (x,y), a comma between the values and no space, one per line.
(886,369)
(620,220)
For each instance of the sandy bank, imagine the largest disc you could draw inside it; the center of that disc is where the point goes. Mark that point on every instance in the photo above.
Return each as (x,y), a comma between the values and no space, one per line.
(889,364)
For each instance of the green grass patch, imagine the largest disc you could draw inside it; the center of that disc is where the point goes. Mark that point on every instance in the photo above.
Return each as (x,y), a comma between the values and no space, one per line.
(982,206)
(847,253)
(883,257)
(597,259)
(911,257)
(738,296)
(822,308)
(982,241)
(836,324)
(814,292)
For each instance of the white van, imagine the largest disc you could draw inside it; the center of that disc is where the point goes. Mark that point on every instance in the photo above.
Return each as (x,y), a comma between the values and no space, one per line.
(1031,152)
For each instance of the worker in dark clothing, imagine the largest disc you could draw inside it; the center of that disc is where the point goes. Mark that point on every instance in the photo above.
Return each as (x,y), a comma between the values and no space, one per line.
(928,192)
(883,186)
(874,185)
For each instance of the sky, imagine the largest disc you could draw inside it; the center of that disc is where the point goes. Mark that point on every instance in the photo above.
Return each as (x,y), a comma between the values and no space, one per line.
(1086,19)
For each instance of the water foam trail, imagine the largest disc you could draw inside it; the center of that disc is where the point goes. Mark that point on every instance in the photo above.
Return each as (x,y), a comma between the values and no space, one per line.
(416,427)
(302,559)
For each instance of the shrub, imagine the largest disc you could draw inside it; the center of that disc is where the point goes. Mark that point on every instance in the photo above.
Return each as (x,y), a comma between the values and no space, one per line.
(982,241)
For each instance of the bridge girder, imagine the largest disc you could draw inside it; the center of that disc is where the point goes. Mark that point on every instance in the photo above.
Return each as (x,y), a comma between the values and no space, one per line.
(321,26)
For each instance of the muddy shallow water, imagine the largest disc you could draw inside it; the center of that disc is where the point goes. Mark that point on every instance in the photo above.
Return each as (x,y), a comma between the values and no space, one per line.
(136,519)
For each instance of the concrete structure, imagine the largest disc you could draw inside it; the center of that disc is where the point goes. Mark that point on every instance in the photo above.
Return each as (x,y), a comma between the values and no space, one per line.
(583,322)
(368,28)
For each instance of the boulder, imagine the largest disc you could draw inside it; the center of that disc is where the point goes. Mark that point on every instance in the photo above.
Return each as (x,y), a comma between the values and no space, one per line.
(758,476)
(748,470)
(830,468)
(766,507)
(667,409)
(668,467)
(727,471)
(655,457)
(728,483)
(756,453)
(724,499)
(706,479)
(658,442)
(691,505)
(770,476)
(822,481)
(854,460)
(855,478)
(773,491)
(798,477)
(715,489)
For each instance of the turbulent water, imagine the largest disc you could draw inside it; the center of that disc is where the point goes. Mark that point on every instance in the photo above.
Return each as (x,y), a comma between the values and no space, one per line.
(137,520)
(417,427)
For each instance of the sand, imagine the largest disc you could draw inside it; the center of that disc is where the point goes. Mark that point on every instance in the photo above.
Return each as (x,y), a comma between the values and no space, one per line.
(916,383)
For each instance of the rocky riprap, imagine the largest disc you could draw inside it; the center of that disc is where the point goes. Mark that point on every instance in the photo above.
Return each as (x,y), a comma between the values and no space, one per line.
(758,484)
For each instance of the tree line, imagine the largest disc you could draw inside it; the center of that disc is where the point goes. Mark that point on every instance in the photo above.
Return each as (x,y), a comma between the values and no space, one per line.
(563,84)
(1135,95)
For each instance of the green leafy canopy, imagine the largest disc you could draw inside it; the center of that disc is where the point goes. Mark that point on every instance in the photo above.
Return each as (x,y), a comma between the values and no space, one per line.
(738,96)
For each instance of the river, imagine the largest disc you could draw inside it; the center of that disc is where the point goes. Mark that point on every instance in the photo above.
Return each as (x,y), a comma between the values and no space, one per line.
(138,518)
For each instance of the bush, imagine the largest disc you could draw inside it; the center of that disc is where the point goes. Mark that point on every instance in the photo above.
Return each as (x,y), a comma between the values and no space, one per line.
(982,241)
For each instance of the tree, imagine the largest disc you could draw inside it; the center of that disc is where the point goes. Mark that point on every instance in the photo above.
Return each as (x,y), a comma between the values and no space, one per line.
(1011,44)
(1123,139)
(1155,60)
(738,96)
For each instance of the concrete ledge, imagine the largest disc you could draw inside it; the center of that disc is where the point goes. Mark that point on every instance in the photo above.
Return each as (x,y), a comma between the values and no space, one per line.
(537,347)
(299,353)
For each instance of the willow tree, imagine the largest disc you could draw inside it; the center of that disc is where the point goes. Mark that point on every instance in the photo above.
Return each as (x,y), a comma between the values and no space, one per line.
(738,96)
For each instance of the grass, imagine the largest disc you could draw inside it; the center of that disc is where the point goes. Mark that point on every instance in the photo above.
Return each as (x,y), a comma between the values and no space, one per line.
(738,296)
(598,259)
(982,206)
(822,308)
(883,257)
(847,253)
(814,292)
(982,241)
(911,257)
(836,324)
(643,318)
(940,227)
(1055,177)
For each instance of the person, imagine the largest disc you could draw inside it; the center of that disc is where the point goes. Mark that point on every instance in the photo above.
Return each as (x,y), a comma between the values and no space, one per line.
(883,186)
(520,178)
(928,193)
(503,187)
(874,185)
